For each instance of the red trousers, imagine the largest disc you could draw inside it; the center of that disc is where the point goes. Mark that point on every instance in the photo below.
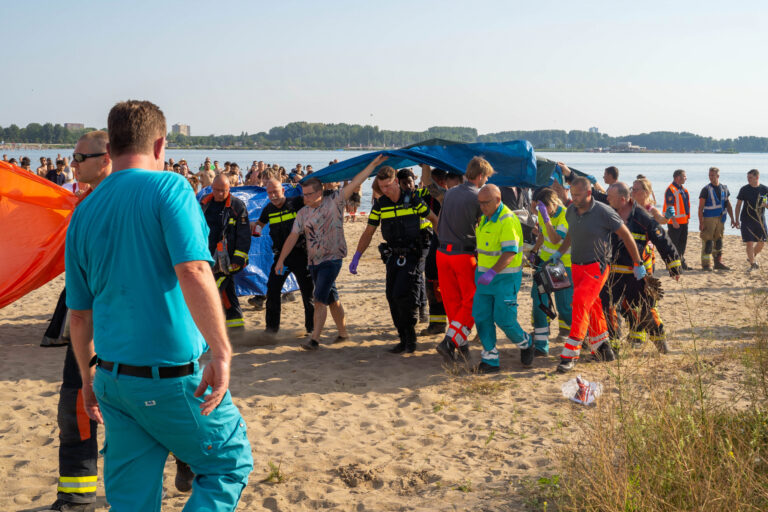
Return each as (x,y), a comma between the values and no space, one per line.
(587,316)
(456,275)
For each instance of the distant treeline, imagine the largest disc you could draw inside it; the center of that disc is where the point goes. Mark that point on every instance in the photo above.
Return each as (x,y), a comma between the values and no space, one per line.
(335,136)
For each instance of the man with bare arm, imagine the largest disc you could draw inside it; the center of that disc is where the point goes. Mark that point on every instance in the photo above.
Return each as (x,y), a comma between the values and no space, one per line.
(144,310)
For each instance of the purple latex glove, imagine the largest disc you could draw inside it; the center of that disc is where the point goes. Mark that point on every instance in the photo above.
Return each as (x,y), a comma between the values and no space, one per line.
(355,261)
(532,258)
(543,211)
(487,277)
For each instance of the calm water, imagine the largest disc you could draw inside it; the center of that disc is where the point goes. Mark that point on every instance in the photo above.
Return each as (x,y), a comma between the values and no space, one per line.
(657,167)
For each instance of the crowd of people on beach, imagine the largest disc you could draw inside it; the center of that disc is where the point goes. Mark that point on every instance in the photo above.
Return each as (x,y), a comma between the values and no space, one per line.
(454,251)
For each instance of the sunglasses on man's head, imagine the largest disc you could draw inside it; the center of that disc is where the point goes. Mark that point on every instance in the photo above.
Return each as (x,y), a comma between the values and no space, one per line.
(82,157)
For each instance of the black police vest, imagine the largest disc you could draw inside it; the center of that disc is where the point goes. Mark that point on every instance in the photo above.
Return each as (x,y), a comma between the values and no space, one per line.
(400,223)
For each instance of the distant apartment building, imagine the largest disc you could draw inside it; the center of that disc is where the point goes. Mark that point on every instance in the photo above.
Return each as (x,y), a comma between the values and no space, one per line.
(180,129)
(594,129)
(73,127)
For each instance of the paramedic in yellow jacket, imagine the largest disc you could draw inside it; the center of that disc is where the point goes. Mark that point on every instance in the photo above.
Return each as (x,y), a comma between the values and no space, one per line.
(498,278)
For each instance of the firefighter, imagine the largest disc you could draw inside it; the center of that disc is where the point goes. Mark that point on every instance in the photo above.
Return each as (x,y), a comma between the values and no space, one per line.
(714,202)
(553,229)
(636,298)
(229,241)
(399,213)
(498,277)
(280,214)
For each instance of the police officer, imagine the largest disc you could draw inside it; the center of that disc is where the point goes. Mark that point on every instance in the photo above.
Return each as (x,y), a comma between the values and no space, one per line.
(280,214)
(229,241)
(498,278)
(399,214)
(632,295)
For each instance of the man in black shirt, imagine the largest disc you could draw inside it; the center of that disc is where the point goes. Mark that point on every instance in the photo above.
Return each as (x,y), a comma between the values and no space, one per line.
(399,213)
(754,232)
(280,214)
(57,175)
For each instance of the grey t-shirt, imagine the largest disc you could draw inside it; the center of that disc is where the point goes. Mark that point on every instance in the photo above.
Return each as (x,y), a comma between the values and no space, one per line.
(591,233)
(458,217)
(323,229)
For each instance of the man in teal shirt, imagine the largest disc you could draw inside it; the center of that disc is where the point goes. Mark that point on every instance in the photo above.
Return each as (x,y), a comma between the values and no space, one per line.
(142,294)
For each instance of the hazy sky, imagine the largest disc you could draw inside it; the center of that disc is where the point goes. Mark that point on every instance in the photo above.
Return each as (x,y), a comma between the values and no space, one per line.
(227,67)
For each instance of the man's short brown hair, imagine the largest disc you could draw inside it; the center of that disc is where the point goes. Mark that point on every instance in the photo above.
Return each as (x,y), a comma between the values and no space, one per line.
(581,181)
(386,173)
(134,126)
(314,183)
(479,166)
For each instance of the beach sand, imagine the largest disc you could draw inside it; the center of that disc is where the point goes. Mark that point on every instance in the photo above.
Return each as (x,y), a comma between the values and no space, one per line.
(354,428)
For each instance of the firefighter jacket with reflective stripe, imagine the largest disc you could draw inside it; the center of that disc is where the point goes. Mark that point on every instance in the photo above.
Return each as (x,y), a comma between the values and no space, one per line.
(644,229)
(715,200)
(497,235)
(400,220)
(228,219)
(548,248)
(678,198)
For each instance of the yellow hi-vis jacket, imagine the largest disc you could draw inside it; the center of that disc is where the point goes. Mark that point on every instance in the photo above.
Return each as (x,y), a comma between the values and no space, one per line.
(561,227)
(499,234)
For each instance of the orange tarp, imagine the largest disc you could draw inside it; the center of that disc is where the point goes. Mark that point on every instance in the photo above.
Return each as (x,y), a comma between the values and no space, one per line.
(34,215)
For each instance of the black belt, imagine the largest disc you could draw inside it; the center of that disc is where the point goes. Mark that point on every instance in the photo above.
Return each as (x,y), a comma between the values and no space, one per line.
(164,372)
(454,247)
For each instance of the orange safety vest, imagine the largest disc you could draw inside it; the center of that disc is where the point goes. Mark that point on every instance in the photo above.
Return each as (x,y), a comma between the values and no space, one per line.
(680,216)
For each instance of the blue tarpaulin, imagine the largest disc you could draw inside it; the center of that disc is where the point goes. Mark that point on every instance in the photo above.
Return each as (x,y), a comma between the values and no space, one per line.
(514,162)
(252,280)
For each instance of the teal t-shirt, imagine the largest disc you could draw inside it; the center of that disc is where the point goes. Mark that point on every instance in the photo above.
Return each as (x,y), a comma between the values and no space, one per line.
(122,244)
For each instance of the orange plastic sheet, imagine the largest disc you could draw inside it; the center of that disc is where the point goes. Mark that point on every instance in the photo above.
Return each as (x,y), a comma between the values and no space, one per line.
(34,215)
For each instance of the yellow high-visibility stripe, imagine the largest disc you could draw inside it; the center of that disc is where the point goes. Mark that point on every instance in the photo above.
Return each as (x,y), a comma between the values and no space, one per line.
(241,254)
(235,322)
(232,221)
(277,218)
(219,281)
(66,479)
(403,212)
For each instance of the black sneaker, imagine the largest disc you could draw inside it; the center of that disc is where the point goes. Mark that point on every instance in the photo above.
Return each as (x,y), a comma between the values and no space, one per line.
(706,269)
(484,368)
(433,329)
(447,350)
(540,353)
(310,345)
(605,353)
(527,355)
(51,342)
(184,476)
(720,266)
(566,365)
(271,331)
(66,506)
(397,349)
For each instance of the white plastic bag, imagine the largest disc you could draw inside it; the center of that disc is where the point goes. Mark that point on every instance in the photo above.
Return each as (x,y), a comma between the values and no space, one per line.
(582,391)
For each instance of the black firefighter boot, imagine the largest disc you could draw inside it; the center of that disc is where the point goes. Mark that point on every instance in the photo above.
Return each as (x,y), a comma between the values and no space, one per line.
(719,265)
(401,346)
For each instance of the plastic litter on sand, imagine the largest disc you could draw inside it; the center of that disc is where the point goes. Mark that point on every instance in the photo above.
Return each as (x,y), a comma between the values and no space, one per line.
(582,391)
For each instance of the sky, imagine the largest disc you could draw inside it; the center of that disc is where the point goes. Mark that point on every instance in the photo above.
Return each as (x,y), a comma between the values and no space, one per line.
(245,66)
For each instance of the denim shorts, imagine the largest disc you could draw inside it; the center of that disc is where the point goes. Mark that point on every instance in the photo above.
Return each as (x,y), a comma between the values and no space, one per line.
(324,276)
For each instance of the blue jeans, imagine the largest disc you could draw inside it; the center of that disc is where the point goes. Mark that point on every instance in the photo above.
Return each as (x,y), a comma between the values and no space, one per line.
(145,419)
(496,304)
(324,276)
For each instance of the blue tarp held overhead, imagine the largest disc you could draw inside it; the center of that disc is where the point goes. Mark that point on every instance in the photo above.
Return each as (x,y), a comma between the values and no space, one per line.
(252,280)
(514,161)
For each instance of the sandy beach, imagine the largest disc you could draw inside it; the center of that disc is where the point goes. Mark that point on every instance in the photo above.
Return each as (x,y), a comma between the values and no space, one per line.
(354,428)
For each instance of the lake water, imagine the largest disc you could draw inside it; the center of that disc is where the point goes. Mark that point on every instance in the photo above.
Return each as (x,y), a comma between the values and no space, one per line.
(657,167)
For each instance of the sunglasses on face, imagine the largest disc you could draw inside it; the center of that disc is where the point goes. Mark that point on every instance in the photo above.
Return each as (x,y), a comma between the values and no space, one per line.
(82,157)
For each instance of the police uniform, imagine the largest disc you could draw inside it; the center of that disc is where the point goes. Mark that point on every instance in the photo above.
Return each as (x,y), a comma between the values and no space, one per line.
(402,254)
(563,298)
(496,303)
(280,221)
(437,317)
(228,222)
(631,295)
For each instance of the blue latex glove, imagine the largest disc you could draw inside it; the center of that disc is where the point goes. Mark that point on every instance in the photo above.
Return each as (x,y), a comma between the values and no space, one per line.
(639,271)
(355,261)
(669,212)
(486,277)
(555,257)
(543,211)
